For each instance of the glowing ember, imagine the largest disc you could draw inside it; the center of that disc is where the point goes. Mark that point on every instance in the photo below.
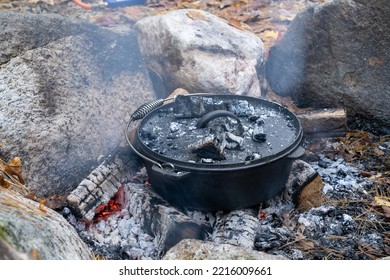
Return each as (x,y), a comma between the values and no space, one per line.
(115,204)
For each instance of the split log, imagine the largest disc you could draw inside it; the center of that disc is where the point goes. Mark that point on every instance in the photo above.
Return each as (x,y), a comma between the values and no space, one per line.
(306,186)
(237,227)
(205,219)
(324,122)
(162,221)
(103,182)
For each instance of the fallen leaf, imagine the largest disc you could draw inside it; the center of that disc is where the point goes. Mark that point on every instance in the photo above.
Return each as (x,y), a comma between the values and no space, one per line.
(386,211)
(270,34)
(42,206)
(13,169)
(197,15)
(239,25)
(15,162)
(133,11)
(378,151)
(381,201)
(306,244)
(31,195)
(4,183)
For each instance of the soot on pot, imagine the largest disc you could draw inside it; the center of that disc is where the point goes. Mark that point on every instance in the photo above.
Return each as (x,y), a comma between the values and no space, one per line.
(232,130)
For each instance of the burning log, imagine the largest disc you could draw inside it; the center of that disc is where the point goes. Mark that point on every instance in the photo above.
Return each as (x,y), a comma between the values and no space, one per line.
(102,184)
(324,122)
(237,227)
(306,185)
(203,218)
(168,225)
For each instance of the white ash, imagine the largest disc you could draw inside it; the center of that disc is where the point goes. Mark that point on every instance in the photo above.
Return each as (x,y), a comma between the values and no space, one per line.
(120,236)
(282,224)
(341,180)
(281,229)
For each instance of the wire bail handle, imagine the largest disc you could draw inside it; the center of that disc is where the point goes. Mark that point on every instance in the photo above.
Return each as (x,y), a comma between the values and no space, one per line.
(140,113)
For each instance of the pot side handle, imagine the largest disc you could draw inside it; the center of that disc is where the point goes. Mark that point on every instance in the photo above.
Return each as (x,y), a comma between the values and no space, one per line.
(299,152)
(170,173)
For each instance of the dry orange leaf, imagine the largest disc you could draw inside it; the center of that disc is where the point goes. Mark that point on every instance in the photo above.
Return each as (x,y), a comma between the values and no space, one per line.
(12,173)
(378,151)
(4,183)
(197,15)
(239,25)
(270,34)
(381,201)
(14,168)
(15,162)
(386,211)
(235,23)
(42,206)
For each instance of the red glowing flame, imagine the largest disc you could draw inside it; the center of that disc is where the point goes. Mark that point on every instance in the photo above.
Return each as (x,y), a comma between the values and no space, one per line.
(115,204)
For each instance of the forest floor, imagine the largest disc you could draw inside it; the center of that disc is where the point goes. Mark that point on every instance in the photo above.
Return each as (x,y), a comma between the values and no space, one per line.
(268,19)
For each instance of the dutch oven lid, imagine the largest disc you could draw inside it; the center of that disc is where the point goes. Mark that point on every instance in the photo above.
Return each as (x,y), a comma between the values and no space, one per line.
(217,132)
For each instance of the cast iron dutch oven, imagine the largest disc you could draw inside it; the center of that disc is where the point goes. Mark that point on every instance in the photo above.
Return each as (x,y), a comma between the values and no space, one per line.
(213,187)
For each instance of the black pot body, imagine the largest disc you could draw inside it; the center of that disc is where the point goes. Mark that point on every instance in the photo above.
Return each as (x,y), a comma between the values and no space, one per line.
(220,190)
(212,188)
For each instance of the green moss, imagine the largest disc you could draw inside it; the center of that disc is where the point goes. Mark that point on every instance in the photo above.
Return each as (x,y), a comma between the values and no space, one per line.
(5,233)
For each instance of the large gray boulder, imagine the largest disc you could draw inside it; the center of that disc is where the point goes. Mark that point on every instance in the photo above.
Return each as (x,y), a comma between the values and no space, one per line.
(67,90)
(29,230)
(200,52)
(337,54)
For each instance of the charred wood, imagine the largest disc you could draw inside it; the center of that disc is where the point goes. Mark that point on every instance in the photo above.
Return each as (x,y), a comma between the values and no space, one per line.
(237,227)
(168,225)
(102,183)
(205,219)
(306,186)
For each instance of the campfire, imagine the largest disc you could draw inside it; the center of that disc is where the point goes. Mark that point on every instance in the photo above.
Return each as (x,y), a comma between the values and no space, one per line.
(328,209)
(228,162)
(115,204)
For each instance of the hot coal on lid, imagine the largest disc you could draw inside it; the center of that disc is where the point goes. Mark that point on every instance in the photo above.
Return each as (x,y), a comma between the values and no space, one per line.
(255,131)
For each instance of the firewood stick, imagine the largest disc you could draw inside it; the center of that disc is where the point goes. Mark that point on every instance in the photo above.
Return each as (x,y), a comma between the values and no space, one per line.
(237,227)
(167,224)
(102,183)
(324,122)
